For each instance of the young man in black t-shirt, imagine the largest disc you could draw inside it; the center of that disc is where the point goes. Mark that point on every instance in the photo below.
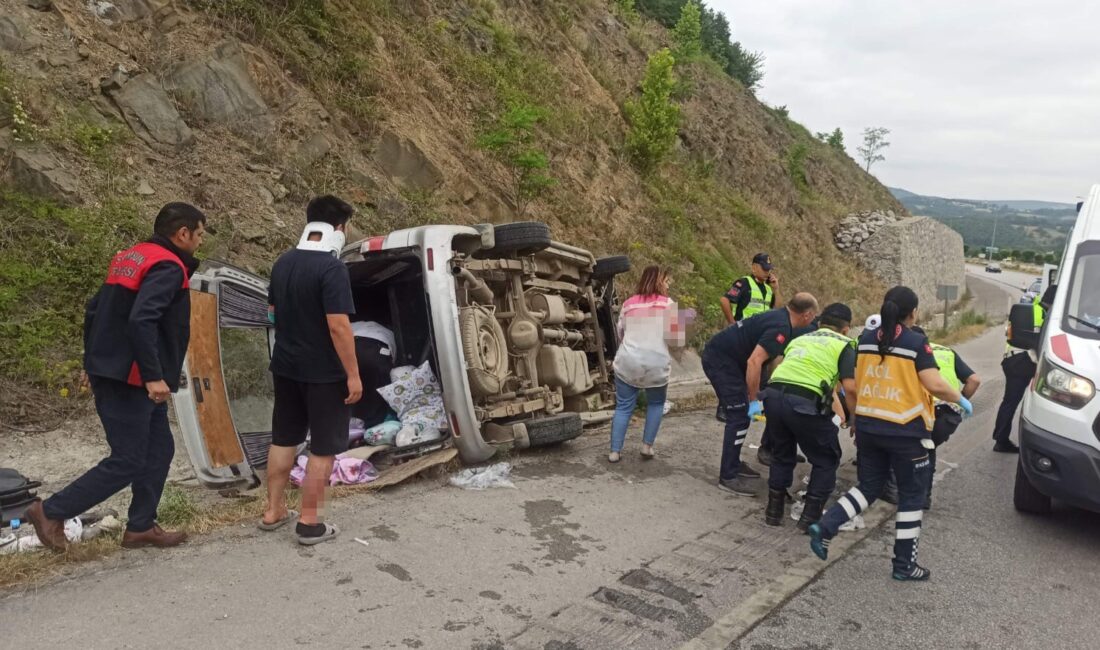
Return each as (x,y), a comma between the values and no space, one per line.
(315,372)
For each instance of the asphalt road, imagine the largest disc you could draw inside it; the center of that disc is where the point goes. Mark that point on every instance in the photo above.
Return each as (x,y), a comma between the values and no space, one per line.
(1000,579)
(586,555)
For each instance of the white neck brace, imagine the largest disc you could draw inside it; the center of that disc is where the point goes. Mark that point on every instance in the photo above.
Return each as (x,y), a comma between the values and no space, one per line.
(332,240)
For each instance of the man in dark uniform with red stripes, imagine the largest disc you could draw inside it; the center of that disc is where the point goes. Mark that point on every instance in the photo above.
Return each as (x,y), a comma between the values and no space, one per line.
(136,331)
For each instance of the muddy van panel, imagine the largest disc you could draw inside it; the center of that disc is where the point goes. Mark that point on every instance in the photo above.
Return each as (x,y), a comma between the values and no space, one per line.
(209,406)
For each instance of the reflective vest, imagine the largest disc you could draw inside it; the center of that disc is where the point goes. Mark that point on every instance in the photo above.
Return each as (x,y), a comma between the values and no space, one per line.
(945,359)
(128,270)
(760,300)
(811,360)
(129,267)
(1038,316)
(889,389)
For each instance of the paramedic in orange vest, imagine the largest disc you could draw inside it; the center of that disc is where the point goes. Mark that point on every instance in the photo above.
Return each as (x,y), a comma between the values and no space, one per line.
(136,331)
(896,379)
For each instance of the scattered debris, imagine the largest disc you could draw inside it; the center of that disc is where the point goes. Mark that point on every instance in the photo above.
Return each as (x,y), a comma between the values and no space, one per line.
(480,478)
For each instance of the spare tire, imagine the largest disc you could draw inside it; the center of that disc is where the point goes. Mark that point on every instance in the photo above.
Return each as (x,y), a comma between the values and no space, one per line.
(522,237)
(609,267)
(554,429)
(485,349)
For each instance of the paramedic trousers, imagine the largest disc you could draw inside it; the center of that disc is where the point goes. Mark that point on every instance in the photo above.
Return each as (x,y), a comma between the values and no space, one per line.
(733,403)
(141,453)
(878,455)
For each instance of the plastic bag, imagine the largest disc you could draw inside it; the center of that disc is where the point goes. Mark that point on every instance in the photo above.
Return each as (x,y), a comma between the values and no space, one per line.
(480,478)
(855,523)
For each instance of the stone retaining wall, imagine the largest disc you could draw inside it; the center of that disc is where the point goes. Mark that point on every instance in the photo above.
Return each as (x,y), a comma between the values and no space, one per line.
(917,252)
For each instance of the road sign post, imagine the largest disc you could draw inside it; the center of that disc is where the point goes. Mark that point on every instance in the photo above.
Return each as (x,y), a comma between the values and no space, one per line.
(946,293)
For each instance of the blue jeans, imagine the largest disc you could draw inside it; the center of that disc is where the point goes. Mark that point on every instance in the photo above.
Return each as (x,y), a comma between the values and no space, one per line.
(626,396)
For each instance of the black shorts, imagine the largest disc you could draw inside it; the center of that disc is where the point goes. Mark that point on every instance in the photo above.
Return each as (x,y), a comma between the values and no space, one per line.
(315,408)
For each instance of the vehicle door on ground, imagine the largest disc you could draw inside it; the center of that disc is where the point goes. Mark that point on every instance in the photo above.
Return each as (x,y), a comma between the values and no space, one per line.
(223,407)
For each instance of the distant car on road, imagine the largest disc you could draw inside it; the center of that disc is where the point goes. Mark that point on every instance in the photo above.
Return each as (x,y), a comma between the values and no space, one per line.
(993,267)
(1032,290)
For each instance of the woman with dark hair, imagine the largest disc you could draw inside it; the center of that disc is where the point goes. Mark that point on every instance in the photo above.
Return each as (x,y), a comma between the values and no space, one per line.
(648,324)
(896,379)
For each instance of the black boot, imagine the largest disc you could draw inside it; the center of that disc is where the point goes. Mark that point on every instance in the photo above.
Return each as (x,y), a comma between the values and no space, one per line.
(777,502)
(811,512)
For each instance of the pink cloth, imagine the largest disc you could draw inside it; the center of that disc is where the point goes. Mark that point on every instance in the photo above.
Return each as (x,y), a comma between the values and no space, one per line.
(345,471)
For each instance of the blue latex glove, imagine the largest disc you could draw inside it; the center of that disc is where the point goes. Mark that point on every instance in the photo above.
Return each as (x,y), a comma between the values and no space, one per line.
(756,407)
(966,406)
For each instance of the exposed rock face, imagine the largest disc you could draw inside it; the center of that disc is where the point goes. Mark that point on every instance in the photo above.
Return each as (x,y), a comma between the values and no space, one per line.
(37,171)
(406,164)
(14,35)
(917,252)
(149,111)
(220,89)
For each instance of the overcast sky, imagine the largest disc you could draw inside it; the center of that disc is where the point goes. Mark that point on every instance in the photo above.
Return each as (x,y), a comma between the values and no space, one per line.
(984,99)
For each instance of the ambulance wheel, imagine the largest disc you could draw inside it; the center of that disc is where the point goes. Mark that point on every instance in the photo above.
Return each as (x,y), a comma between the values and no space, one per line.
(1024,495)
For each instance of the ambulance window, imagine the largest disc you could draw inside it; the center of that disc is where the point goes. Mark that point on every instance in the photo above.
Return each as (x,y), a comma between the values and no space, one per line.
(1083,300)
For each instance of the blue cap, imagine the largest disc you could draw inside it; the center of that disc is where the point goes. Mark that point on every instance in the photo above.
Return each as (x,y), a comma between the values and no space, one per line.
(764,260)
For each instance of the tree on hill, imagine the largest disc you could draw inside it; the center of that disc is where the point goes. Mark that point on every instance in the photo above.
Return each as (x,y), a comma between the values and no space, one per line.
(717,40)
(654,119)
(834,139)
(688,32)
(874,141)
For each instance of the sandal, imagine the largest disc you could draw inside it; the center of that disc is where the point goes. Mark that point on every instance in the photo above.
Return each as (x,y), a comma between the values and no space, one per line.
(650,456)
(331,532)
(291,515)
(613,457)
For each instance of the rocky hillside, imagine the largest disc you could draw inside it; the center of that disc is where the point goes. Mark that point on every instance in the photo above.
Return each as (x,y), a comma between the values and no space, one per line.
(249,107)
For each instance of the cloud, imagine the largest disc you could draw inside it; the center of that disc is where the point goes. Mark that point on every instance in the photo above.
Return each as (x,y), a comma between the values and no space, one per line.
(984,99)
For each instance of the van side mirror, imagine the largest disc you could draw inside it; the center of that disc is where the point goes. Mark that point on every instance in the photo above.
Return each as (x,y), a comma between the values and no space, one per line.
(1021,327)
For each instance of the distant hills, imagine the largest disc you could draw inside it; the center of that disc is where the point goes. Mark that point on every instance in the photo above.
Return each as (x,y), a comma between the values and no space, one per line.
(1039,226)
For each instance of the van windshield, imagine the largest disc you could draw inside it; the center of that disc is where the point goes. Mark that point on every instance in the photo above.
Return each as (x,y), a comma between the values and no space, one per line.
(1083,302)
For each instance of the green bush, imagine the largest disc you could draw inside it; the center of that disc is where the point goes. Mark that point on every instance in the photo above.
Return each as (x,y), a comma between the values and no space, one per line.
(796,166)
(688,32)
(52,260)
(654,119)
(512,141)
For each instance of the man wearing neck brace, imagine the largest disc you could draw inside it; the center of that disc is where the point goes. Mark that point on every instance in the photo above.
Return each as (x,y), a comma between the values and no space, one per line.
(315,372)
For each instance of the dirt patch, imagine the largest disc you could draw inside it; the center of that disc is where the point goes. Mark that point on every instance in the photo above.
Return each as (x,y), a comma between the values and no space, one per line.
(395,570)
(548,525)
(385,533)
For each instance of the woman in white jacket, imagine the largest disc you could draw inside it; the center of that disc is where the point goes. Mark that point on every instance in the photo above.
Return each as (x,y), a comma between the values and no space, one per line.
(649,323)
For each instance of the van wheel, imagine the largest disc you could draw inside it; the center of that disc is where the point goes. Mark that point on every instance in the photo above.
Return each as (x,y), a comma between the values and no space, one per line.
(1024,495)
(522,237)
(554,430)
(609,267)
(485,349)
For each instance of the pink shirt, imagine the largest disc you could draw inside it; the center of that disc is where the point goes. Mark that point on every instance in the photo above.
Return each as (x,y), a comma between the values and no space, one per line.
(647,325)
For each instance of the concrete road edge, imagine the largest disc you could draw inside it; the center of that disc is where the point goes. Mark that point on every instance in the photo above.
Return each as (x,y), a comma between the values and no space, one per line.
(756,607)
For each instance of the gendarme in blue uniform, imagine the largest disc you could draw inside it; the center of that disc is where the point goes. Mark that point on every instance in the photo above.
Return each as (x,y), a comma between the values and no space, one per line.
(725,359)
(770,330)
